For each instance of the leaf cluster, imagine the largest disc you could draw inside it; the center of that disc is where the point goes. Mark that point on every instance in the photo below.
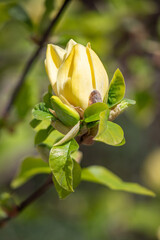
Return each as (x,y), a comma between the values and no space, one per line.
(58,126)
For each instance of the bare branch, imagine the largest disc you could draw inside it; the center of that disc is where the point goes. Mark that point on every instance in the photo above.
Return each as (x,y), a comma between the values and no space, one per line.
(18,209)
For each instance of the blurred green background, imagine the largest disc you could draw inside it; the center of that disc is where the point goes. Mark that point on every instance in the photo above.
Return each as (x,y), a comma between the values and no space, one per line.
(124,34)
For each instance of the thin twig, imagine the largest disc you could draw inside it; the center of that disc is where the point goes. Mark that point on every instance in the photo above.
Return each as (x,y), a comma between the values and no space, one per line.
(33,57)
(18,209)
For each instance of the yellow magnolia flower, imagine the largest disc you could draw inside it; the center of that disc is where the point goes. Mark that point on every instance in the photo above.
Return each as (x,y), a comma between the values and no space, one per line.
(74,72)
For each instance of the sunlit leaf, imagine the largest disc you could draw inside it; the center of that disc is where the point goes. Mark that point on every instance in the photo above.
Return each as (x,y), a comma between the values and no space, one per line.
(101,175)
(76,181)
(41,112)
(116,89)
(109,132)
(92,113)
(61,164)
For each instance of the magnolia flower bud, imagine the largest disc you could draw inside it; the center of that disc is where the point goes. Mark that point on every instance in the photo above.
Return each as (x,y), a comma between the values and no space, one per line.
(74,72)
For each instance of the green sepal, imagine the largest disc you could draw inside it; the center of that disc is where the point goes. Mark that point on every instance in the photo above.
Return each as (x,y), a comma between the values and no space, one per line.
(59,126)
(116,89)
(67,115)
(92,113)
(41,112)
(71,134)
(30,167)
(101,175)
(109,132)
(61,164)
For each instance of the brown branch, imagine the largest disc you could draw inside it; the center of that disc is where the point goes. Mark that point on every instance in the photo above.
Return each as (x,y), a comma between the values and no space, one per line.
(33,57)
(16,210)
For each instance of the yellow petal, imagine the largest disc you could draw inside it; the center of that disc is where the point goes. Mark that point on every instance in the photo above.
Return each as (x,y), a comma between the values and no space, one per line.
(71,43)
(99,74)
(54,58)
(74,79)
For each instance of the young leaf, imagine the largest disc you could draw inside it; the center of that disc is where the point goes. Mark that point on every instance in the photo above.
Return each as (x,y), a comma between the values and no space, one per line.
(61,164)
(67,115)
(71,134)
(30,167)
(125,103)
(105,177)
(92,113)
(119,108)
(116,89)
(109,132)
(42,135)
(76,181)
(41,112)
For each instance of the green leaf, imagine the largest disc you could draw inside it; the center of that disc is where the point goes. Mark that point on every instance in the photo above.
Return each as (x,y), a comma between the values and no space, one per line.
(42,135)
(92,113)
(76,181)
(71,134)
(67,115)
(34,123)
(121,143)
(105,177)
(109,132)
(116,89)
(30,167)
(61,164)
(41,112)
